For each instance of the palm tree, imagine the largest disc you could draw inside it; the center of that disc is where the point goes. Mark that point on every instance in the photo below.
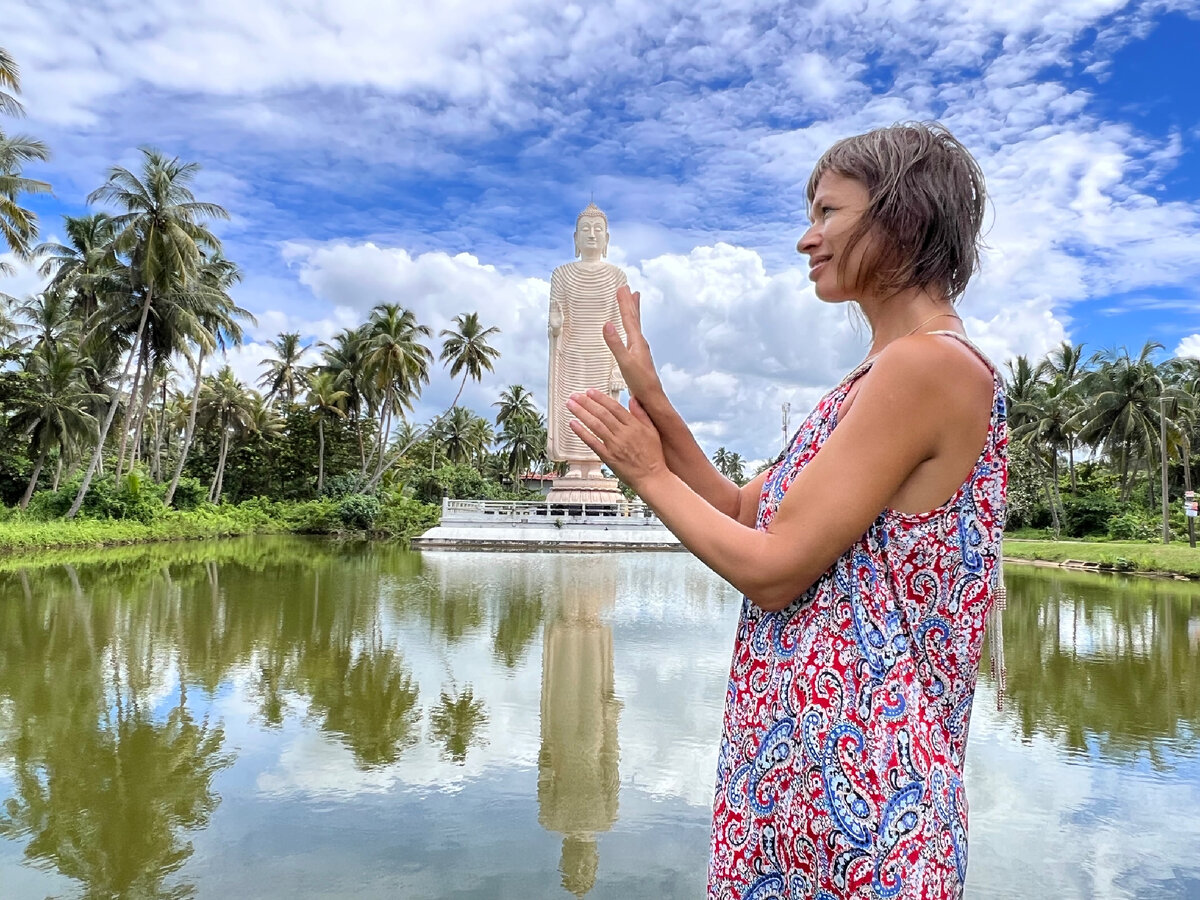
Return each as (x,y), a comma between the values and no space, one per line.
(1066,365)
(1121,415)
(399,364)
(10,77)
(218,317)
(227,404)
(515,402)
(344,357)
(18,226)
(162,233)
(523,441)
(325,399)
(56,417)
(1046,427)
(49,316)
(467,350)
(457,434)
(285,375)
(86,267)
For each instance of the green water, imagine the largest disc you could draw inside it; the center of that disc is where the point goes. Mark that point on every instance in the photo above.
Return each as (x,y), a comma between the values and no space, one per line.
(290,718)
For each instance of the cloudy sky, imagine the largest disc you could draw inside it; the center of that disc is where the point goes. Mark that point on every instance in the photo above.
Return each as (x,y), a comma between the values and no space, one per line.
(436,153)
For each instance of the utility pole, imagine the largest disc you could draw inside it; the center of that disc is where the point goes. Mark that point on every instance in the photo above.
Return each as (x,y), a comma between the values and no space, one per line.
(787,408)
(1188,497)
(1162,444)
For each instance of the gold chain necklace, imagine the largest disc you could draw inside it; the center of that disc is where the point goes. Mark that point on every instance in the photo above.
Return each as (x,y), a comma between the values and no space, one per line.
(931,318)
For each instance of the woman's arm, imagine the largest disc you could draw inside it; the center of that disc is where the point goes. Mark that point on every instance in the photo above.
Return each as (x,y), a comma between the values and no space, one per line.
(681,451)
(899,420)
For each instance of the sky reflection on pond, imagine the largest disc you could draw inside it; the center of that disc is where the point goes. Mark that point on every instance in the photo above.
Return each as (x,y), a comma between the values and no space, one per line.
(282,717)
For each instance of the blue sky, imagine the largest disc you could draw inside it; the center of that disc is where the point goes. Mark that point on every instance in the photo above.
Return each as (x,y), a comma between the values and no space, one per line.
(436,154)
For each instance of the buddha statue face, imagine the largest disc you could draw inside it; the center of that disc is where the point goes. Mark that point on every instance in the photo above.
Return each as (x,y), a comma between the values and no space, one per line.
(591,236)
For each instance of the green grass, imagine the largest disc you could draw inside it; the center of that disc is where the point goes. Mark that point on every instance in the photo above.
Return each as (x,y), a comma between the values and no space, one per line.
(398,520)
(21,535)
(1176,558)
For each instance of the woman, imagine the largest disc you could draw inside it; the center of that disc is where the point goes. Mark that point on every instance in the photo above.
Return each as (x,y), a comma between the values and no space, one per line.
(840,771)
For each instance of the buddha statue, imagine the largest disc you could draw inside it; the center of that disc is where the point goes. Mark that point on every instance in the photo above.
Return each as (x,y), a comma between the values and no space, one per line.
(583,297)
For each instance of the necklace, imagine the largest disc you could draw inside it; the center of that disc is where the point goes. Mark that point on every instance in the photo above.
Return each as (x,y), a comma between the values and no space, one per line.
(931,318)
(914,331)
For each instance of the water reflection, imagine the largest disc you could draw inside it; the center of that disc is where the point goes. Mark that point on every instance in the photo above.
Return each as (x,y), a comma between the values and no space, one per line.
(577,766)
(1102,665)
(159,704)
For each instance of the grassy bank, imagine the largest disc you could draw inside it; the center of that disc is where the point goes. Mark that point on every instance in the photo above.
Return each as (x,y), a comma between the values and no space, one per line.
(396,520)
(1174,558)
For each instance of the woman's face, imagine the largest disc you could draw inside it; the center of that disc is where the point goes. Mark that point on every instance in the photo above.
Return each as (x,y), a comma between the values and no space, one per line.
(837,205)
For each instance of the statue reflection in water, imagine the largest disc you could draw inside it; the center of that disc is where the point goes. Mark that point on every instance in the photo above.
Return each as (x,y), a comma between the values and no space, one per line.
(577,766)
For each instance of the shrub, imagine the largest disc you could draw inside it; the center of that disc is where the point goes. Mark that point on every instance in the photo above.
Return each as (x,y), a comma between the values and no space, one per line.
(404,517)
(339,486)
(189,493)
(1132,526)
(359,511)
(1088,514)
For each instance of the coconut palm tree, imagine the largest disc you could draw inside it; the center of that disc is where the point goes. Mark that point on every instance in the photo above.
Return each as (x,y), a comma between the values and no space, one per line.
(218,317)
(86,267)
(457,435)
(345,358)
(399,364)
(229,406)
(325,399)
(18,226)
(467,350)
(1046,427)
(523,441)
(1066,365)
(56,417)
(285,375)
(162,232)
(10,78)
(1121,413)
(515,402)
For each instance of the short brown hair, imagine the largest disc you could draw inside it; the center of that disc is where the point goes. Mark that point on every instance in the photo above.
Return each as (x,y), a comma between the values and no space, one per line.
(927,199)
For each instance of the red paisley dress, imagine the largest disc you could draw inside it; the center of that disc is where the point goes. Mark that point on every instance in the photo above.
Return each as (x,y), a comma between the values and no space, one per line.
(840,773)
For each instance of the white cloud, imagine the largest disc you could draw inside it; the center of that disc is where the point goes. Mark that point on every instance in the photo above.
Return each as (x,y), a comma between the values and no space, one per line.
(1189,346)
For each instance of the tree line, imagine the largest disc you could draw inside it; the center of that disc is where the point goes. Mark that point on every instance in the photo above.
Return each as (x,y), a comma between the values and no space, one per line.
(137,300)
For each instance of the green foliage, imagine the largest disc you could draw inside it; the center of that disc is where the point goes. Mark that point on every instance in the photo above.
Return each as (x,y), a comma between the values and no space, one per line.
(338,486)
(190,493)
(136,497)
(1089,514)
(1026,499)
(1133,525)
(404,517)
(359,511)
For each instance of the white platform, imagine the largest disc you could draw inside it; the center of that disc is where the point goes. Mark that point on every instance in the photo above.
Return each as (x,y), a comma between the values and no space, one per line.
(541,525)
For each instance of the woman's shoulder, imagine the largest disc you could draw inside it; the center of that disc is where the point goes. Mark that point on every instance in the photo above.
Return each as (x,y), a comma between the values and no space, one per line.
(937,359)
(934,377)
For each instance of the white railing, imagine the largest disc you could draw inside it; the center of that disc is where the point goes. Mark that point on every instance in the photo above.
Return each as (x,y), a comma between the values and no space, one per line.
(535,510)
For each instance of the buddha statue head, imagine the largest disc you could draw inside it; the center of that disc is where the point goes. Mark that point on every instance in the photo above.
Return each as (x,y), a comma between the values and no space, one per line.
(591,234)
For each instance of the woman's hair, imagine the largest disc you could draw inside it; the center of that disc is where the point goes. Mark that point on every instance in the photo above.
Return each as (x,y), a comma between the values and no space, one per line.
(927,198)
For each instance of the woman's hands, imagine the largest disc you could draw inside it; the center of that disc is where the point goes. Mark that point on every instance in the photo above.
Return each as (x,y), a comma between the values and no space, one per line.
(633,356)
(625,439)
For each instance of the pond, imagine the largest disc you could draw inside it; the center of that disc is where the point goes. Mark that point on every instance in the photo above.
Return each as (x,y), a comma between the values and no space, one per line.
(280,717)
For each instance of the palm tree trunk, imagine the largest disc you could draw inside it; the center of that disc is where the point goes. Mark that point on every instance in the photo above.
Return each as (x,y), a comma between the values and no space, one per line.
(112,410)
(1071,465)
(320,453)
(135,454)
(130,410)
(188,434)
(33,479)
(214,491)
(57,472)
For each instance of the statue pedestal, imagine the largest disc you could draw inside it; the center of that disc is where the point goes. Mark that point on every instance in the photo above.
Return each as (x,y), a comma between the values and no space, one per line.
(585,490)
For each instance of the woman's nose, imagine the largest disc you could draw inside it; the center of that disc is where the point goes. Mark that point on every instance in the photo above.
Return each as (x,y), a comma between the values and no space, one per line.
(808,241)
